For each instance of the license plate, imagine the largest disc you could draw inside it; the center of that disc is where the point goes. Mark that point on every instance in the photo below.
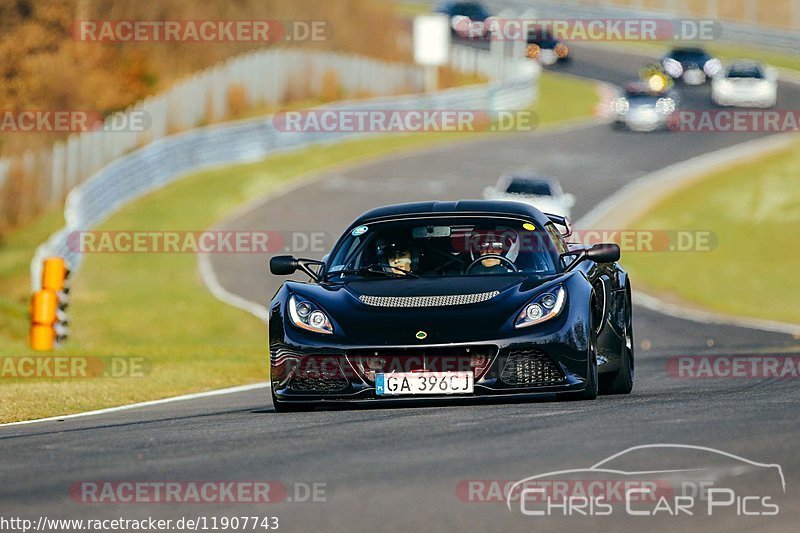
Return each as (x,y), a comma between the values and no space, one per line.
(411,383)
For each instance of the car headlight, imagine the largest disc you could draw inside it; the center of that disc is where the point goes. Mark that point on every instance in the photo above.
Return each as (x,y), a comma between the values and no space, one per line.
(712,67)
(307,315)
(665,106)
(673,67)
(620,106)
(532,51)
(542,308)
(561,50)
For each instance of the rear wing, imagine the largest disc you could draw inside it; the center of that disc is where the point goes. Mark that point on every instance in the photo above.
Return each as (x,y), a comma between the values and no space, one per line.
(561,221)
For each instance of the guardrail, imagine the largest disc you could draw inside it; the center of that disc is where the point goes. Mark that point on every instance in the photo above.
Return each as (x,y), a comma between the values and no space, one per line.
(513,86)
(264,77)
(741,33)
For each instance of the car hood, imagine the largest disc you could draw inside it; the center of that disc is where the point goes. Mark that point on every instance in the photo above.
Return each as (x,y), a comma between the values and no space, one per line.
(391,312)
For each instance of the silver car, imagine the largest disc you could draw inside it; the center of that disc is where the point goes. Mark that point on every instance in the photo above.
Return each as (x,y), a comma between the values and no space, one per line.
(639,108)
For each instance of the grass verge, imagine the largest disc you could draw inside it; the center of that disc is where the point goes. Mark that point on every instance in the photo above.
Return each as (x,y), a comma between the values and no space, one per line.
(754,211)
(154,306)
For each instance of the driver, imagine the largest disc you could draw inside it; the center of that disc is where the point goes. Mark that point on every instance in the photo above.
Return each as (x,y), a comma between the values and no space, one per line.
(400,260)
(393,256)
(493,249)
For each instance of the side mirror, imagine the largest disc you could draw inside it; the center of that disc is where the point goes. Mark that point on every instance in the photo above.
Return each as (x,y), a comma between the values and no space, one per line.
(603,253)
(599,253)
(569,200)
(283,265)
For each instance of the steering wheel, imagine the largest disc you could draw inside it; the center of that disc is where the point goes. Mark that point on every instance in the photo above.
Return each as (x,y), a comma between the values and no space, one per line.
(502,259)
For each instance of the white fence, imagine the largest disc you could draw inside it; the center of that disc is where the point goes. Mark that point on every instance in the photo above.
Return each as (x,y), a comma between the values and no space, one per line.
(267,77)
(513,86)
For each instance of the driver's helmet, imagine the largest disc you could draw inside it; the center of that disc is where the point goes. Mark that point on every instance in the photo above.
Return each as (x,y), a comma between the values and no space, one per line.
(393,255)
(499,241)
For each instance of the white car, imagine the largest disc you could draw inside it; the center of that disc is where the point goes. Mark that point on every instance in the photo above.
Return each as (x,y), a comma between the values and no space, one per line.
(545,194)
(639,108)
(745,84)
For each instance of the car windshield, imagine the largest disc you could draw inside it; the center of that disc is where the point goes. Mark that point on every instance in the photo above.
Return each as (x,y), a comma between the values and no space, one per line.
(471,11)
(543,39)
(637,99)
(529,187)
(443,247)
(745,71)
(689,56)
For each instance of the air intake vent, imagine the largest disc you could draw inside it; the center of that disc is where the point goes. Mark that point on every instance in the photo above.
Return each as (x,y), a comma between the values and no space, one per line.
(428,301)
(531,368)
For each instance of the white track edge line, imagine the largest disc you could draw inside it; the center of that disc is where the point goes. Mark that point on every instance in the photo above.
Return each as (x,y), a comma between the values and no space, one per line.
(193,396)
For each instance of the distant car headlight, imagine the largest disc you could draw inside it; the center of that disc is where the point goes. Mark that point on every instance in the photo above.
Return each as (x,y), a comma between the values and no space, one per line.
(307,315)
(533,51)
(673,67)
(665,106)
(561,50)
(620,106)
(542,308)
(712,67)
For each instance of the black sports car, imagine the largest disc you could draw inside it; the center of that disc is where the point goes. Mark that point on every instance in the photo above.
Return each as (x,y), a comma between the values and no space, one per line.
(446,300)
(692,66)
(468,19)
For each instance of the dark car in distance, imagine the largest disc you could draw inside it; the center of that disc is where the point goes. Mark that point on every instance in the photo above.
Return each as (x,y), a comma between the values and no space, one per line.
(468,19)
(691,65)
(451,300)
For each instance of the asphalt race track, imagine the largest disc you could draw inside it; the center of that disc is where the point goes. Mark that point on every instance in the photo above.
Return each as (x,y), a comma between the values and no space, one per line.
(398,469)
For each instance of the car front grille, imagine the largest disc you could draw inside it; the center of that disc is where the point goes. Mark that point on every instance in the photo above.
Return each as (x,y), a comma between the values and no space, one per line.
(531,368)
(428,301)
(475,359)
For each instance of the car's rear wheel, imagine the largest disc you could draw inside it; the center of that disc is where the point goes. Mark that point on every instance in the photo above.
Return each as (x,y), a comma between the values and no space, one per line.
(621,380)
(284,407)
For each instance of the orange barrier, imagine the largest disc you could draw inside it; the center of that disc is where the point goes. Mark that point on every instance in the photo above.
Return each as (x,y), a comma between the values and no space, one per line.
(48,306)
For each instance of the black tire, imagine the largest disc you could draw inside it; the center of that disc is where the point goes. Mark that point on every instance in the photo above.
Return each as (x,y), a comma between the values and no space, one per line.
(283,407)
(621,380)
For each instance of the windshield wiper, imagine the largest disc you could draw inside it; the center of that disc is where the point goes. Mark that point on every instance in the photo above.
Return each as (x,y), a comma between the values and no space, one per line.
(394,272)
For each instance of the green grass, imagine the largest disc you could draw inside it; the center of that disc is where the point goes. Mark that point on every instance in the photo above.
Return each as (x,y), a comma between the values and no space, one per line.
(754,210)
(155,305)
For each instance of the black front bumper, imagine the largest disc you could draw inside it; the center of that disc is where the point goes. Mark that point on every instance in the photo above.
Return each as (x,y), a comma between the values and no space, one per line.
(536,367)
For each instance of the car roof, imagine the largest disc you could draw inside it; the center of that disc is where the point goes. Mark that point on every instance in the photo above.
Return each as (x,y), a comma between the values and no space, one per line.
(687,50)
(460,208)
(745,63)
